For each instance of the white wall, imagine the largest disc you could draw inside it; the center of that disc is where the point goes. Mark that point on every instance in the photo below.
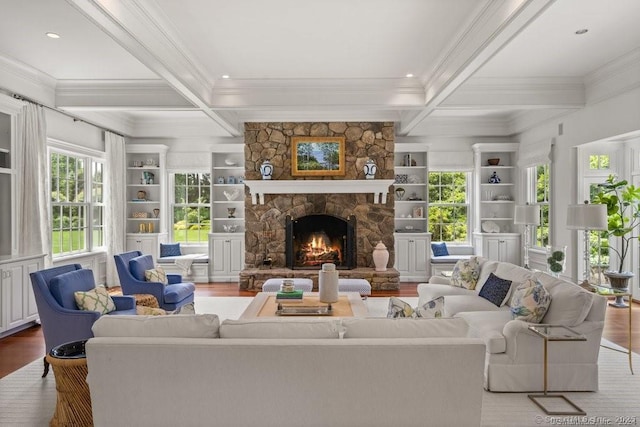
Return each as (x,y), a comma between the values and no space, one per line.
(612,119)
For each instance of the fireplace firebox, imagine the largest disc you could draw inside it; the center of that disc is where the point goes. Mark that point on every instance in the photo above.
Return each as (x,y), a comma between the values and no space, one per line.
(313,240)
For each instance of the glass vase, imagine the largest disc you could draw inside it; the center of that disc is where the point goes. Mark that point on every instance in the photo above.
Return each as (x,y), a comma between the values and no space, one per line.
(556,260)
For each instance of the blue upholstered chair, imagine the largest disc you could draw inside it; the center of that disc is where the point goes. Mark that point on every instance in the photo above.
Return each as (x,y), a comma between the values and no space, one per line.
(61,319)
(131,267)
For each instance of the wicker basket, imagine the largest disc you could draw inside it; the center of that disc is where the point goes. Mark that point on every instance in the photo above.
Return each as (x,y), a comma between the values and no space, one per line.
(140,214)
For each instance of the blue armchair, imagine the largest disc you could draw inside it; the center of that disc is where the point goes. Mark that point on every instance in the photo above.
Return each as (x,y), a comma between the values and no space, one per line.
(131,267)
(61,319)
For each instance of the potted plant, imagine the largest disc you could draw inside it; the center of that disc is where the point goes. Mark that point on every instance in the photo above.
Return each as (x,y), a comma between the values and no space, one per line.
(623,217)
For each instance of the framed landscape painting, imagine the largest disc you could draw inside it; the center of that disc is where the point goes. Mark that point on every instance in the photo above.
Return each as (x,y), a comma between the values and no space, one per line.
(317,156)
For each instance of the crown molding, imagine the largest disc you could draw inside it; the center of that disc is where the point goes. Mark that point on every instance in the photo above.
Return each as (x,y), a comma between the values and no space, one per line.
(319,115)
(129,94)
(462,126)
(20,78)
(614,78)
(275,93)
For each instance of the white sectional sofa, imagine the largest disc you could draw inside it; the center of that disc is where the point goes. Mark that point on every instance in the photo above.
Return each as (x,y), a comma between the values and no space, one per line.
(189,370)
(514,360)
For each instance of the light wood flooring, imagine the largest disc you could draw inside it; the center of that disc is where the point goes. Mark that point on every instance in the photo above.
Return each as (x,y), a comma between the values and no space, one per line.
(26,346)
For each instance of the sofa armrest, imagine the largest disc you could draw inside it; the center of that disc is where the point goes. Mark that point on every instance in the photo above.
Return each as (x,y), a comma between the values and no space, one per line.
(525,346)
(124,302)
(440,280)
(174,278)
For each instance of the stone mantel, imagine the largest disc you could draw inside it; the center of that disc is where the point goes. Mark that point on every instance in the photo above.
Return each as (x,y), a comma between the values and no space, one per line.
(378,187)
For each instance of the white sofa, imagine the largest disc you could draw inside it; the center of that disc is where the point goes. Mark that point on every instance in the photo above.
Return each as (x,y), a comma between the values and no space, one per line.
(189,370)
(514,360)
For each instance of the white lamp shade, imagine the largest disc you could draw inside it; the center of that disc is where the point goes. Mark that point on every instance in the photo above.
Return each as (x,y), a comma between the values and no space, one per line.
(527,214)
(587,217)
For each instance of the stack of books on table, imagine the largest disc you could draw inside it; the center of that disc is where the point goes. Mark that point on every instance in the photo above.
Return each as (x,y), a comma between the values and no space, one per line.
(295,296)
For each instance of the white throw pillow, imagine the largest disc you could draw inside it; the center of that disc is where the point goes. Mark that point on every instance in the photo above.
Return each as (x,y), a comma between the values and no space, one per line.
(280,328)
(97,299)
(569,306)
(430,309)
(530,301)
(466,273)
(175,326)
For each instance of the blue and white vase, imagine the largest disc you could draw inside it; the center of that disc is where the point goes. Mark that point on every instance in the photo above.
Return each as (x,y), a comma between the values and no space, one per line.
(266,169)
(370,169)
(494,178)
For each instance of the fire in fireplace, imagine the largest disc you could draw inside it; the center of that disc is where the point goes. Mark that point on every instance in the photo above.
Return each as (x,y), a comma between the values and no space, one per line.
(313,240)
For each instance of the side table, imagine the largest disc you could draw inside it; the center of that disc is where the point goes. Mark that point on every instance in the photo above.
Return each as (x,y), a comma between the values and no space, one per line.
(73,407)
(554,333)
(612,292)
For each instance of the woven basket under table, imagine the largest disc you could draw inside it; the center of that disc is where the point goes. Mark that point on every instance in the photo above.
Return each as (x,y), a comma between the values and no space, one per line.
(73,407)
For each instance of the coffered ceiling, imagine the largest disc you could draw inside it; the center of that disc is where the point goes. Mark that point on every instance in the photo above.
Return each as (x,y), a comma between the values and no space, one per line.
(158,68)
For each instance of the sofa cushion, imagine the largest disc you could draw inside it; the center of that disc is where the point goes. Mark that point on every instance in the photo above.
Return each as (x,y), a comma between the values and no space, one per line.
(403,328)
(280,328)
(570,304)
(466,273)
(156,275)
(96,299)
(431,309)
(178,291)
(170,249)
(439,249)
(496,290)
(429,291)
(64,286)
(175,326)
(488,326)
(454,304)
(530,301)
(486,268)
(138,265)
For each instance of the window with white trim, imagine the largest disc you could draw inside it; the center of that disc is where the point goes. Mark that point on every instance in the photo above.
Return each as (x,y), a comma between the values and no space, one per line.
(77,215)
(449,206)
(539,194)
(191,207)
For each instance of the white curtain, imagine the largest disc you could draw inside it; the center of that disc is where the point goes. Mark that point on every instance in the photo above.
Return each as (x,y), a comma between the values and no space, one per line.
(32,222)
(115,200)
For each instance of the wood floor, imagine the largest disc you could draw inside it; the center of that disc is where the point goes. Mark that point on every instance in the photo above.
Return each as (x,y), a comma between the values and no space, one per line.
(26,346)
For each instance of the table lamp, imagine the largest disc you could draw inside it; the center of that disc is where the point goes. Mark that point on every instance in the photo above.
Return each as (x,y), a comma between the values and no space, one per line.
(527,215)
(587,217)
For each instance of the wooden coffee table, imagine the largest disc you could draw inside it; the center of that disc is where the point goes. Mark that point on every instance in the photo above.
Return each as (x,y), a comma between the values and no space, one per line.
(349,304)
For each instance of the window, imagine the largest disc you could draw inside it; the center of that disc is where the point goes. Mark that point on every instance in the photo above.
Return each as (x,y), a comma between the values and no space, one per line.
(77,216)
(599,161)
(540,184)
(449,206)
(191,207)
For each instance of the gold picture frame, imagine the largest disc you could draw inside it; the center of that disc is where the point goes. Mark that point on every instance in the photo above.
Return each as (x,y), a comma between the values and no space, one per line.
(317,156)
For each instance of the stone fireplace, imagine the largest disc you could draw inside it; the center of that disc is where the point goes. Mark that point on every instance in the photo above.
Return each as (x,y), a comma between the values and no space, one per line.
(371,217)
(317,239)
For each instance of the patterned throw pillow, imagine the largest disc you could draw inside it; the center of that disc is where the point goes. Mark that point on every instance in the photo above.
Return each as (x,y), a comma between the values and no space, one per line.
(170,249)
(495,290)
(439,249)
(430,309)
(97,299)
(465,273)
(156,275)
(530,301)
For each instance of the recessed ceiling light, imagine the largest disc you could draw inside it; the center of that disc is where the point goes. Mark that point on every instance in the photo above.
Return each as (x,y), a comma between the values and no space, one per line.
(409,75)
(53,35)
(582,31)
(225,76)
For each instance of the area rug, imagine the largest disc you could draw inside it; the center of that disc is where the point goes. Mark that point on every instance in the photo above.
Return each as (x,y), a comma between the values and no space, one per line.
(26,399)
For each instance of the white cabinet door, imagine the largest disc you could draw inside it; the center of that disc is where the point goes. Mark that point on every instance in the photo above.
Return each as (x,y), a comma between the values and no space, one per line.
(17,302)
(412,256)
(502,248)
(148,245)
(226,257)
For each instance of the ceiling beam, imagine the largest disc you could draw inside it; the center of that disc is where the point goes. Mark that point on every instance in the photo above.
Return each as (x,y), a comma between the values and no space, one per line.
(133,27)
(496,23)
